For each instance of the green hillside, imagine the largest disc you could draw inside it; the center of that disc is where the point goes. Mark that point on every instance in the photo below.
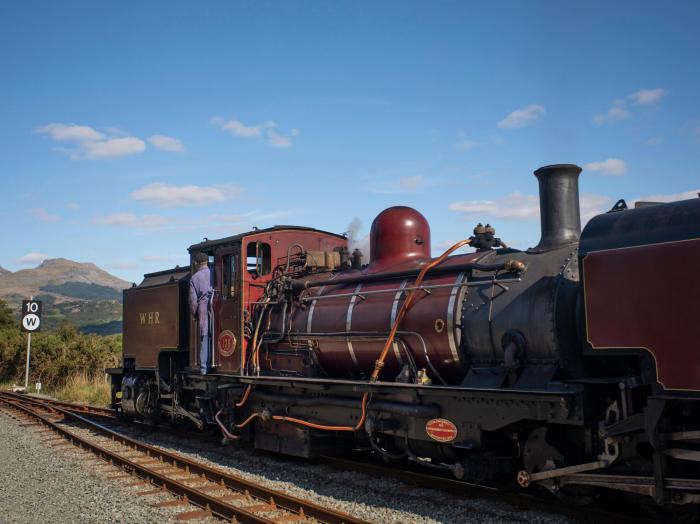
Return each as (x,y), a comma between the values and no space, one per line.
(84,291)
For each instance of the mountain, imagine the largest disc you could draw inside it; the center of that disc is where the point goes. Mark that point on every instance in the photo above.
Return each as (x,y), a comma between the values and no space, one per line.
(3,271)
(76,292)
(58,272)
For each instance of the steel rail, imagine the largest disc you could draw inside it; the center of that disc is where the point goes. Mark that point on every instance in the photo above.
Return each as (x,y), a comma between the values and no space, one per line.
(293,505)
(95,411)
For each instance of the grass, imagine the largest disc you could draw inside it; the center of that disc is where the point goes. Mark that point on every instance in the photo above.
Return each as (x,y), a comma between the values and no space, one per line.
(7,384)
(79,388)
(83,389)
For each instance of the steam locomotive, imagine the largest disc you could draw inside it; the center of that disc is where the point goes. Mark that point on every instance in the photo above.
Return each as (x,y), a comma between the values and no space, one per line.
(573,365)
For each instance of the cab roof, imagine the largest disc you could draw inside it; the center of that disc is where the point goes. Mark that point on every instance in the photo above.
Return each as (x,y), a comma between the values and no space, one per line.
(227,240)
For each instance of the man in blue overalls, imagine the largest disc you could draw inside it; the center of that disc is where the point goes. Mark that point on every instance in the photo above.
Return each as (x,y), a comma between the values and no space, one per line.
(201,292)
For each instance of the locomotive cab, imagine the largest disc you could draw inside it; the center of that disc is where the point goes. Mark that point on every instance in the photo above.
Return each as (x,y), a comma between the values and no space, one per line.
(243,266)
(160,339)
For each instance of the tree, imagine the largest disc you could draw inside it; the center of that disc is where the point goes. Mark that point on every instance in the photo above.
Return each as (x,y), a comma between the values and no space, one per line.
(7,320)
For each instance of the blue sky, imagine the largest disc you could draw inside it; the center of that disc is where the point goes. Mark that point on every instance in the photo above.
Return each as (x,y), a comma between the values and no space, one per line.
(131,130)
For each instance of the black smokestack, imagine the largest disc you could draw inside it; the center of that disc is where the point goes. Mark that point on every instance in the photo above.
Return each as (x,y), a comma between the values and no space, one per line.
(559,207)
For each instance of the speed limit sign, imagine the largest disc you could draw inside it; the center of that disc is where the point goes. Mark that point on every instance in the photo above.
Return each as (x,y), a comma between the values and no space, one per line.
(31,315)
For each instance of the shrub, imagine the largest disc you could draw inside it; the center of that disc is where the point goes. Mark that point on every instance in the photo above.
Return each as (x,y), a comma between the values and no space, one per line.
(56,355)
(6,318)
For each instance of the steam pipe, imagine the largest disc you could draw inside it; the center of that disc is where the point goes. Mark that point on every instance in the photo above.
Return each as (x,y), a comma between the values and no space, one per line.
(560,216)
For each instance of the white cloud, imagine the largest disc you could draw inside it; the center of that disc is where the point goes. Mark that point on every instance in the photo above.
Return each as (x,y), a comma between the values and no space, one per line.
(465,145)
(522,117)
(70,132)
(277,140)
(645,97)
(33,258)
(514,206)
(72,206)
(111,148)
(609,167)
(238,128)
(517,206)
(411,182)
(267,130)
(592,205)
(89,143)
(614,114)
(166,195)
(654,141)
(620,111)
(44,216)
(673,197)
(166,143)
(132,220)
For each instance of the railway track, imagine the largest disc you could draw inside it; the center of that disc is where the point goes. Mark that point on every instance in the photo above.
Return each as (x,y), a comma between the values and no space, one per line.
(518,501)
(84,409)
(213,492)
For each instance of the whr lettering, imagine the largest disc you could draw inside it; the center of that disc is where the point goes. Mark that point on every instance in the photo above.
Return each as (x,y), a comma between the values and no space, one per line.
(148,318)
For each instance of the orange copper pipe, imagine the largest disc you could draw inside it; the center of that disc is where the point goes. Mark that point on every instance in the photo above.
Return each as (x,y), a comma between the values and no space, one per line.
(379,364)
(245,396)
(313,425)
(248,420)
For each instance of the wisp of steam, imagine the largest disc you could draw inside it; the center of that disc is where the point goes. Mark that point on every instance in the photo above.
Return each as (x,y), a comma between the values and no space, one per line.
(355,241)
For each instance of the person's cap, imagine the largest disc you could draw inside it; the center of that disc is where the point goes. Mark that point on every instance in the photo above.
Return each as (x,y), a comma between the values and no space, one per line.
(201,257)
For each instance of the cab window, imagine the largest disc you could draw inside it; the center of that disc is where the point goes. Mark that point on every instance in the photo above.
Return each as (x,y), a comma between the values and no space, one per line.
(229,276)
(258,258)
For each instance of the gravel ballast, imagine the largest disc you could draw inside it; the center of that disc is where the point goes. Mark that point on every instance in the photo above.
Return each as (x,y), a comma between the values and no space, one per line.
(41,484)
(380,500)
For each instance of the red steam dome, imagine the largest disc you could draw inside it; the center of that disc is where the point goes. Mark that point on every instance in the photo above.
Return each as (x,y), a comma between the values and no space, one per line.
(399,234)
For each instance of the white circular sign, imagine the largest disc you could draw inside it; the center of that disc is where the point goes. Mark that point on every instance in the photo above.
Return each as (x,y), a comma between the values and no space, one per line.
(31,322)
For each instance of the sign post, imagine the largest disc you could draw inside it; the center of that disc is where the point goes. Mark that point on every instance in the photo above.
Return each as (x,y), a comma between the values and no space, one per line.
(31,321)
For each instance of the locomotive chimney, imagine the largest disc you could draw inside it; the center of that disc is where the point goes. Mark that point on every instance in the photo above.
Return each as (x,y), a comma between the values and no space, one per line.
(560,216)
